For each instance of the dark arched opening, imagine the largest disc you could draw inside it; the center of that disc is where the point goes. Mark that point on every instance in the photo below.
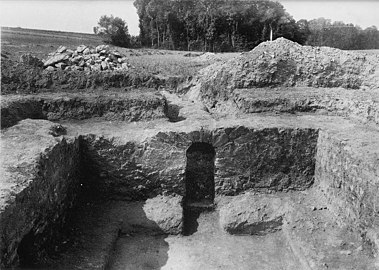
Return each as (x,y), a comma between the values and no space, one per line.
(199,178)
(28,252)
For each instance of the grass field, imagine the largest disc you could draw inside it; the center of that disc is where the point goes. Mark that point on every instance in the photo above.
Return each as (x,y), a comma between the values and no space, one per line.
(149,67)
(18,41)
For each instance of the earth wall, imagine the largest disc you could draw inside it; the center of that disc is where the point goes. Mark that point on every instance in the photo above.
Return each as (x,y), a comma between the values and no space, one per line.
(349,180)
(32,219)
(127,106)
(246,159)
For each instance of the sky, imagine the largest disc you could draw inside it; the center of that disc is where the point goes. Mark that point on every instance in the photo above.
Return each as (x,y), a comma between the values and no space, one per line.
(74,16)
(83,15)
(362,13)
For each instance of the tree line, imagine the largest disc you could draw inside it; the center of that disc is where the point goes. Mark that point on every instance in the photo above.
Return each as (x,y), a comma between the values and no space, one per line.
(345,36)
(229,25)
(212,25)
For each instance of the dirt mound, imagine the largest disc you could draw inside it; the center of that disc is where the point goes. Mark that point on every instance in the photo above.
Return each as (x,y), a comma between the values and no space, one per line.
(286,63)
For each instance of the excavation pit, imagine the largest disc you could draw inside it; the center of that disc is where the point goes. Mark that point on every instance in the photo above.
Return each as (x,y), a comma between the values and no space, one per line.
(161,187)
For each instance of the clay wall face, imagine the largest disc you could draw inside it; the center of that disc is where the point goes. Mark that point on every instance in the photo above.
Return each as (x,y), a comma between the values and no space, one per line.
(126,107)
(349,180)
(262,160)
(356,104)
(265,159)
(39,211)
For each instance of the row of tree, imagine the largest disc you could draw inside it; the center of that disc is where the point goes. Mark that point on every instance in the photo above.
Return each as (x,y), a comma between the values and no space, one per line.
(322,32)
(228,25)
(212,25)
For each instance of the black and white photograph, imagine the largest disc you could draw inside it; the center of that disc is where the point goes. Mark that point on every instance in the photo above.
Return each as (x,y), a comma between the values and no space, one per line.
(189,135)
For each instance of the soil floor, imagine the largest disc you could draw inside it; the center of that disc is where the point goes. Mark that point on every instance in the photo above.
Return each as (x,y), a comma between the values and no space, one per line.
(208,248)
(117,235)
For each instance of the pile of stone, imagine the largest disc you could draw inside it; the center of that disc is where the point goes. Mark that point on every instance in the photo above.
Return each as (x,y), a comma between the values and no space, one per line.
(86,58)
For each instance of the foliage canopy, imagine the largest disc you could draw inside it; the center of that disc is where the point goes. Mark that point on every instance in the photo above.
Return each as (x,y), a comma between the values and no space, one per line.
(237,25)
(113,30)
(212,25)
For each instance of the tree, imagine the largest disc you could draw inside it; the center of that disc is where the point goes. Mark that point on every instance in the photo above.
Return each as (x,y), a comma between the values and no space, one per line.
(113,30)
(304,32)
(212,25)
(369,38)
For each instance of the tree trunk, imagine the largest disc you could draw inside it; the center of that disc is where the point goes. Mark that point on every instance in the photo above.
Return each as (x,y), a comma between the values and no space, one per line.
(271,34)
(234,34)
(157,34)
(264,31)
(151,35)
(188,42)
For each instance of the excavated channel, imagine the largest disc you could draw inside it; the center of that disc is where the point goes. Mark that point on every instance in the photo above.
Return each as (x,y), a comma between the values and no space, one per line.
(164,194)
(236,165)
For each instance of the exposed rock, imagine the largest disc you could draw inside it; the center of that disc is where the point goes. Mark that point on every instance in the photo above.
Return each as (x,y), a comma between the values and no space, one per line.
(104,65)
(101,47)
(81,48)
(55,59)
(86,51)
(166,212)
(89,59)
(96,67)
(61,65)
(82,63)
(117,54)
(77,59)
(50,68)
(124,66)
(61,49)
(57,130)
(252,214)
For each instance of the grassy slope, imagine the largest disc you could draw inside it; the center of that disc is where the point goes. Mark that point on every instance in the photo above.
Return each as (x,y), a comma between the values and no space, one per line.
(146,62)
(18,41)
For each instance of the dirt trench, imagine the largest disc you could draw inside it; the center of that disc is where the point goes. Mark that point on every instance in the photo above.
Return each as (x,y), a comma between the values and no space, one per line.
(287,179)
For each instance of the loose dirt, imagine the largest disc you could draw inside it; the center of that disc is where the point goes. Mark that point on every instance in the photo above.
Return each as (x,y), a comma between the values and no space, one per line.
(287,64)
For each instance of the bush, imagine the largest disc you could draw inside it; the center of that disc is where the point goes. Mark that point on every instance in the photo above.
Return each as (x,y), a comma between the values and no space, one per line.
(113,30)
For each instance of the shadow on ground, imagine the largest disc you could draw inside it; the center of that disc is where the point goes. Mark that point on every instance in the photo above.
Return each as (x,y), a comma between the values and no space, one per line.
(141,244)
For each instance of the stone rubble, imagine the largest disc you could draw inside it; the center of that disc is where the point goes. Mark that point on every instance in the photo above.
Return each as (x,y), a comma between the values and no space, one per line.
(86,58)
